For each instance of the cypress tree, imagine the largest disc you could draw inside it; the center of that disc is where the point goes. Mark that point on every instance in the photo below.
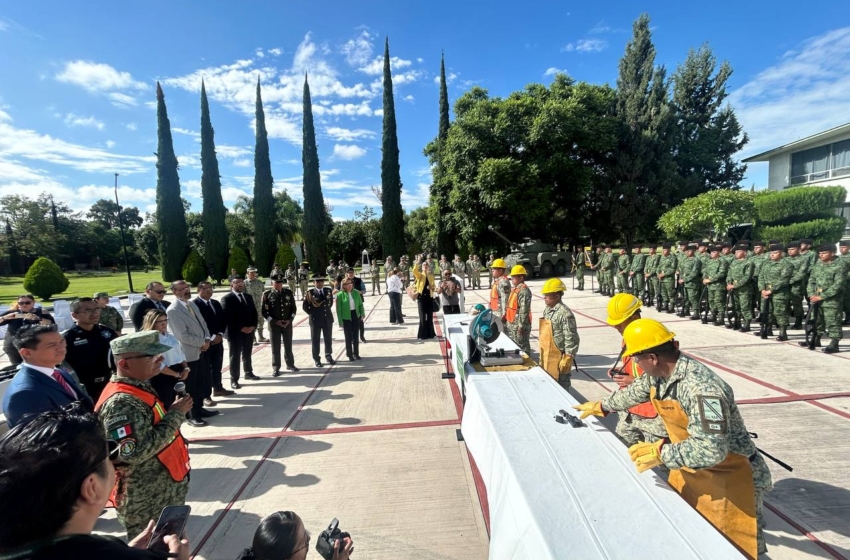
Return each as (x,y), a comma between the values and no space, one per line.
(264,206)
(170,214)
(315,231)
(440,187)
(216,241)
(392,219)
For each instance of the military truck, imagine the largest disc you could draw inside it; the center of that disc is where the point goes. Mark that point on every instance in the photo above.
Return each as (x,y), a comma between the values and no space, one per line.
(538,258)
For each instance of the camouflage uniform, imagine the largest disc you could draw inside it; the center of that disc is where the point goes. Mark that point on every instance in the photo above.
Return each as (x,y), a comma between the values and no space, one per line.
(564,334)
(503,284)
(623,264)
(812,257)
(519,330)
(474,268)
(375,275)
(758,261)
(714,273)
(844,260)
(741,277)
(444,265)
(579,264)
(404,272)
(776,277)
(110,317)
(637,267)
(255,289)
(706,447)
(690,271)
(667,283)
(459,268)
(799,279)
(303,280)
(291,277)
(490,270)
(389,265)
(606,266)
(649,273)
(331,272)
(827,281)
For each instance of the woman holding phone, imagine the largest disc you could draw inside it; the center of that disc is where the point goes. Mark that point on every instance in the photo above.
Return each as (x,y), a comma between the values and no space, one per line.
(23,312)
(174,366)
(425,287)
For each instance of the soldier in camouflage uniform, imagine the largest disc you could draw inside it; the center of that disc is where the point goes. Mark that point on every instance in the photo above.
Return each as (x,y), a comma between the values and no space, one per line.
(775,282)
(690,272)
(490,269)
(726,254)
(458,267)
(375,275)
(475,272)
(595,264)
(564,331)
(623,264)
(703,253)
(706,432)
(331,271)
(152,467)
(109,316)
(389,265)
(714,278)
(607,265)
(579,264)
(758,258)
(291,277)
(799,280)
(255,288)
(826,286)
(404,271)
(636,271)
(844,260)
(808,253)
(517,317)
(666,273)
(739,281)
(303,278)
(650,271)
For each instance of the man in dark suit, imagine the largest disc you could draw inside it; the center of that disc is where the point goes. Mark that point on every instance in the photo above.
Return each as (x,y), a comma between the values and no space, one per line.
(241,318)
(39,385)
(214,317)
(154,292)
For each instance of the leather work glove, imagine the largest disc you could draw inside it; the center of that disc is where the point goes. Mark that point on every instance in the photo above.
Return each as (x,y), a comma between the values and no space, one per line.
(646,455)
(565,364)
(590,408)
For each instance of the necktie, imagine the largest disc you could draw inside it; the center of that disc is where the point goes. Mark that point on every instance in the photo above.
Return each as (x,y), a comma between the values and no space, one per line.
(61,380)
(159,306)
(241,299)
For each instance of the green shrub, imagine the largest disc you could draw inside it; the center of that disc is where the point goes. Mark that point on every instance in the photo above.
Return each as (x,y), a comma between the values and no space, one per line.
(194,270)
(824,230)
(239,261)
(285,256)
(798,204)
(45,278)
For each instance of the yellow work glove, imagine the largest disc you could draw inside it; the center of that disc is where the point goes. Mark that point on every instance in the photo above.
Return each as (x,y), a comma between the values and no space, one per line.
(590,408)
(646,455)
(565,364)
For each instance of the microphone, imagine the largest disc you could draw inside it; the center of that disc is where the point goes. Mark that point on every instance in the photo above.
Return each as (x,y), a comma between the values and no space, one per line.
(180,389)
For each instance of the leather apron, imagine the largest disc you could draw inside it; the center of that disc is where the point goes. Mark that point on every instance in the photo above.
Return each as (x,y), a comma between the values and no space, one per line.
(552,359)
(724,494)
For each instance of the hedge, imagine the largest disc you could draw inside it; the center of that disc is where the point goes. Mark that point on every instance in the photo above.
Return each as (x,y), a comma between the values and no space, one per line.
(798,204)
(239,261)
(285,256)
(194,269)
(825,230)
(44,278)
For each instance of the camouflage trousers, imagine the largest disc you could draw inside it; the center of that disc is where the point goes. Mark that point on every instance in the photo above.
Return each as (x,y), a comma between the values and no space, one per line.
(796,300)
(303,286)
(717,299)
(475,279)
(651,287)
(637,284)
(520,333)
(743,298)
(829,319)
(623,282)
(693,290)
(667,290)
(564,380)
(635,429)
(781,307)
(376,283)
(144,501)
(763,484)
(258,332)
(579,276)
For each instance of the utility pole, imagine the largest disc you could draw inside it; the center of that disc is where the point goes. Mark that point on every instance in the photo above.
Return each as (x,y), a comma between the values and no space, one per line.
(123,242)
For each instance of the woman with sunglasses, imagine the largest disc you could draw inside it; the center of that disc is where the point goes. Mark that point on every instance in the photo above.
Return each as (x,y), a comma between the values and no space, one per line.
(174,366)
(23,312)
(282,536)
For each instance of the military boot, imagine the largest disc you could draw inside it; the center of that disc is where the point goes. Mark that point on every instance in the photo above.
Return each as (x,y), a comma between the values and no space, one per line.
(683,313)
(695,316)
(833,346)
(798,324)
(746,327)
(718,321)
(783,334)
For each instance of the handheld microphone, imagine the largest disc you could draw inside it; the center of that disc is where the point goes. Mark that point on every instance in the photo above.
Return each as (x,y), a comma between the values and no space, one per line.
(180,389)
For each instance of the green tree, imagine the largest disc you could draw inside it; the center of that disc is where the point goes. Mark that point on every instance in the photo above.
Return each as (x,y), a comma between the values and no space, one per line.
(264,205)
(392,219)
(105,213)
(418,232)
(170,214)
(288,218)
(315,230)
(440,186)
(44,279)
(194,269)
(285,256)
(707,134)
(147,244)
(216,243)
(238,260)
(709,214)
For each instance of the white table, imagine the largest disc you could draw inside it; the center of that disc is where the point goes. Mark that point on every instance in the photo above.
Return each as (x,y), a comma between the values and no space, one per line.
(558,492)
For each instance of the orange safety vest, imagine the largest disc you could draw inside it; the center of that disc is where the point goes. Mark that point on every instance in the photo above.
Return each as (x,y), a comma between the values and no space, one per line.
(513,304)
(175,456)
(494,296)
(645,410)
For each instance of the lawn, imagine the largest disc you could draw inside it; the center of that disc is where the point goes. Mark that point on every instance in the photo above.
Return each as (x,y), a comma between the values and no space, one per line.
(85,284)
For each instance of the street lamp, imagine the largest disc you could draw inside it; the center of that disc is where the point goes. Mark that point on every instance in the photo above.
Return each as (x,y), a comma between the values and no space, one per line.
(123,242)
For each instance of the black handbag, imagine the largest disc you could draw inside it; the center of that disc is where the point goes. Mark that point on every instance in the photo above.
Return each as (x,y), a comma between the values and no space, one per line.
(436,301)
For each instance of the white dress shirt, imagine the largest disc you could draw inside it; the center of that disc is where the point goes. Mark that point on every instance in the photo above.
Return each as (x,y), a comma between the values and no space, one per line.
(394,284)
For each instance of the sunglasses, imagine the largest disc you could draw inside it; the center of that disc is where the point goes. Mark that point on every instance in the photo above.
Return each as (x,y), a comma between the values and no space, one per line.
(25,302)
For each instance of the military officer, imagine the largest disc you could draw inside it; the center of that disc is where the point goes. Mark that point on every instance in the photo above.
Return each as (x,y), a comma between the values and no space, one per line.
(739,281)
(517,317)
(152,467)
(303,278)
(444,264)
(826,287)
(714,279)
(807,252)
(474,268)
(579,265)
(255,287)
(389,265)
(726,253)
(559,338)
(87,346)
(636,271)
(703,253)
(666,273)
(799,280)
(375,275)
(459,268)
(623,264)
(774,282)
(713,461)
(690,272)
(109,316)
(318,304)
(594,266)
(607,267)
(404,272)
(650,274)
(500,290)
(490,270)
(279,309)
(291,277)
(275,269)
(331,270)
(844,249)
(758,258)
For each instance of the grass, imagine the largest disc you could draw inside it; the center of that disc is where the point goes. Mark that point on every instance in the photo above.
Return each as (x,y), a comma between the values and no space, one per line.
(85,284)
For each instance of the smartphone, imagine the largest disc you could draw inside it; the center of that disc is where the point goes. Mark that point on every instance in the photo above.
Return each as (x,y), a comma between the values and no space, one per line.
(172,521)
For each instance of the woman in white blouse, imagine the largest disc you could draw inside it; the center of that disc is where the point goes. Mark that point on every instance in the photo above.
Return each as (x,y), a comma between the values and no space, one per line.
(394,291)
(174,367)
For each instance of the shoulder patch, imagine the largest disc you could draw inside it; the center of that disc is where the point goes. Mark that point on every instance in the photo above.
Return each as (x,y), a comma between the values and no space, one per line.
(121,431)
(127,447)
(116,421)
(713,416)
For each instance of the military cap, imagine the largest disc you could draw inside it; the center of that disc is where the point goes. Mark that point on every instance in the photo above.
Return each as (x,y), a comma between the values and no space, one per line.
(844,243)
(725,245)
(808,242)
(321,277)
(691,247)
(793,245)
(143,342)
(758,244)
(681,242)
(351,268)
(277,278)
(774,242)
(666,245)
(703,244)
(776,247)
(713,248)
(304,263)
(826,247)
(741,247)
(252,269)
(98,295)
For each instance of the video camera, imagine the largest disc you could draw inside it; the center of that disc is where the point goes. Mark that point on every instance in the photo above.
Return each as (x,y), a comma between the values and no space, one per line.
(327,539)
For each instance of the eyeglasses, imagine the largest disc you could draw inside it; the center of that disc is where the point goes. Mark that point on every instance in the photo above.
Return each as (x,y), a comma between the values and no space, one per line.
(160,321)
(306,542)
(160,292)
(25,302)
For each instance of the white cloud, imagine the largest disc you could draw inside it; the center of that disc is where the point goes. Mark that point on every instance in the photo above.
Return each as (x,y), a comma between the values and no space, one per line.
(348,152)
(420,60)
(131,126)
(98,77)
(110,144)
(409,98)
(186,132)
(228,151)
(805,92)
(358,51)
(450,77)
(553,71)
(347,135)
(259,53)
(275,52)
(586,46)
(73,120)
(122,100)
(242,162)
(376,66)
(417,198)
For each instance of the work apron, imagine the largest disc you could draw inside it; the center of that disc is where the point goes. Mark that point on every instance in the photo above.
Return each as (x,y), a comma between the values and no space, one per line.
(552,359)
(724,494)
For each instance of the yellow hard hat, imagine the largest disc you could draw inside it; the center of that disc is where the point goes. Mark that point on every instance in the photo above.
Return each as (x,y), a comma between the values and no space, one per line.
(517,270)
(553,285)
(621,307)
(499,263)
(644,334)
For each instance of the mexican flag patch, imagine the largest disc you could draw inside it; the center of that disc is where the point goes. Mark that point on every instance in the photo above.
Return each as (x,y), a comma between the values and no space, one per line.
(121,432)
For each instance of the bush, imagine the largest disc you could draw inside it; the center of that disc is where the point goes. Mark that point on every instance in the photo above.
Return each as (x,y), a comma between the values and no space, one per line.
(285,256)
(825,230)
(194,270)
(798,204)
(45,278)
(238,260)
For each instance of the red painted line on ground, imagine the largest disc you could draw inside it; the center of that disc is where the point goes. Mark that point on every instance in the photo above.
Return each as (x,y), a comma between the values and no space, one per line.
(828,549)
(797,398)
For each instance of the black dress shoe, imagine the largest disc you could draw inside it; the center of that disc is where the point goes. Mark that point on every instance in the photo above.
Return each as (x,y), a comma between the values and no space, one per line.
(357,357)
(204,413)
(197,422)
(251,376)
(351,358)
(292,368)
(330,360)
(235,385)
(319,364)
(276,373)
(362,340)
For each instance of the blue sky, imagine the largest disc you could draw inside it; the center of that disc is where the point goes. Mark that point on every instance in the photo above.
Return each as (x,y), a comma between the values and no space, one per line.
(77,97)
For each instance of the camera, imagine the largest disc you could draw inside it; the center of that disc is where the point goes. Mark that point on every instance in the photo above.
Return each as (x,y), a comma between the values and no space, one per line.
(327,539)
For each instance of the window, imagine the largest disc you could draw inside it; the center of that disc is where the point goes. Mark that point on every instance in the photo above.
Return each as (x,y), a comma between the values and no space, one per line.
(823,162)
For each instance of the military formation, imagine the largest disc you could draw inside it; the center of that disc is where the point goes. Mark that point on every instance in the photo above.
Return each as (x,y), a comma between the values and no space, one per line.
(786,287)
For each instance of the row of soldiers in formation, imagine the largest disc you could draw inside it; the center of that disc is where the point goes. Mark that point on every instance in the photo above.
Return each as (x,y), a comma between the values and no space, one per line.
(770,276)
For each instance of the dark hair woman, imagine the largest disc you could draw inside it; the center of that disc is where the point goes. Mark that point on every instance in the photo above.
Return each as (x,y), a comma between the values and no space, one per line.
(282,536)
(22,312)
